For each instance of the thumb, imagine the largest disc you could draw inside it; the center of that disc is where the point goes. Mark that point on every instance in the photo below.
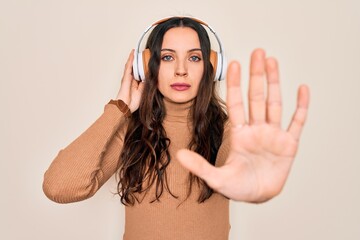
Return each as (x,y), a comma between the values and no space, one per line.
(198,165)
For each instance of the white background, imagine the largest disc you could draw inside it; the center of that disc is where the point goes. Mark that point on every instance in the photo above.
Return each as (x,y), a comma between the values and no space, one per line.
(62,61)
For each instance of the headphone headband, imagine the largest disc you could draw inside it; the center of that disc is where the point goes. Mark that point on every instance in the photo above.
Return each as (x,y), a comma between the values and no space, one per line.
(140,61)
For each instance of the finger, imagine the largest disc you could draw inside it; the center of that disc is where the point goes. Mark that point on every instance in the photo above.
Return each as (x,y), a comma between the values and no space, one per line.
(136,93)
(141,86)
(274,105)
(199,166)
(136,86)
(300,114)
(256,87)
(126,81)
(127,76)
(234,99)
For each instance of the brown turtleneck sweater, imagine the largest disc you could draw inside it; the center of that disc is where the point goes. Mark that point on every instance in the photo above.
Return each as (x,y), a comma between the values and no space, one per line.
(80,169)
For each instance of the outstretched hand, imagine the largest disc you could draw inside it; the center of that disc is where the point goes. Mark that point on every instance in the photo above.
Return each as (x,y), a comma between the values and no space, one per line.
(130,90)
(261,152)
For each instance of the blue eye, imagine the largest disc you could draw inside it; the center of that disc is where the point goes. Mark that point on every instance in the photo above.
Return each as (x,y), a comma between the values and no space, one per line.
(167,58)
(195,59)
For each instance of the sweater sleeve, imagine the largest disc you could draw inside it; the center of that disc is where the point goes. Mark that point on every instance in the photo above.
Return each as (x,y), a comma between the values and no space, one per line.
(81,168)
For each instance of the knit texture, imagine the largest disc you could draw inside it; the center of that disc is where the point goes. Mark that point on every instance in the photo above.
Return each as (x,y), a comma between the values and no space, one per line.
(80,169)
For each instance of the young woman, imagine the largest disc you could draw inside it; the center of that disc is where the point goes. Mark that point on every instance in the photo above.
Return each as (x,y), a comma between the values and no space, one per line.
(177,158)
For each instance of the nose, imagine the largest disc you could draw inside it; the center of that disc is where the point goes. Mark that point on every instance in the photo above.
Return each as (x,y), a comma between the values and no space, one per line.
(181,69)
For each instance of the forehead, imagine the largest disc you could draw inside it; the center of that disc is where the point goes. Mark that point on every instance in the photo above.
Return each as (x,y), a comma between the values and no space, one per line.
(181,37)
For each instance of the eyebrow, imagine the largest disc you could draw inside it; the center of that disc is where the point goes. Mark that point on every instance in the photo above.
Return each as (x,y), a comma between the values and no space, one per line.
(172,50)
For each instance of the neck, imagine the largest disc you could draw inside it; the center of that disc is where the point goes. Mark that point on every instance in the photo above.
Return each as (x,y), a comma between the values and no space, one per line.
(179,112)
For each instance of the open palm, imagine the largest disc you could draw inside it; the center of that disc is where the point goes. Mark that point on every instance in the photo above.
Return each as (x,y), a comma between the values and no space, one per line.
(261,153)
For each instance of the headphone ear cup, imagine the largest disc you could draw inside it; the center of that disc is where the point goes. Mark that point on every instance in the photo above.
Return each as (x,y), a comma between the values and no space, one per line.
(217,61)
(219,64)
(141,67)
(135,66)
(214,62)
(223,69)
(146,54)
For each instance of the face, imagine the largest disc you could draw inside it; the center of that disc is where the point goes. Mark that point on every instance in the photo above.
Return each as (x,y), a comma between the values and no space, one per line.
(181,65)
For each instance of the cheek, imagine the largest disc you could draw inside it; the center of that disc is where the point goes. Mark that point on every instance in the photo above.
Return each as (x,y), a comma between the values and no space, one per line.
(162,78)
(162,88)
(164,72)
(163,81)
(198,74)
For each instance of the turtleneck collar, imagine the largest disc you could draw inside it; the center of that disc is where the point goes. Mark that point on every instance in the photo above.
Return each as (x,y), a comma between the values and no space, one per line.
(177,112)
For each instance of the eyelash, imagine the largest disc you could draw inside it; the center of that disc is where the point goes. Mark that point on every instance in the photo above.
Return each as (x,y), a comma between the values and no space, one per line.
(195,58)
(168,58)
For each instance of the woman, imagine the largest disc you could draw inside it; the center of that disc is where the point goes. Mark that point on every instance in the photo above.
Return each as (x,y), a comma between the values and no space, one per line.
(178,125)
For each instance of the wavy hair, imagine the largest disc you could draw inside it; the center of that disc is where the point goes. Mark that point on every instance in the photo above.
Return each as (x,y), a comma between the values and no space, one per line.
(145,154)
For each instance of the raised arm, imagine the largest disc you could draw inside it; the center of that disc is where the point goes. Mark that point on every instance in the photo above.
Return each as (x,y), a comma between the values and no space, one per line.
(80,169)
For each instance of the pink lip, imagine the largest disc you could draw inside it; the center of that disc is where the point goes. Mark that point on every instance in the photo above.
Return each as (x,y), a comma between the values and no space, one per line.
(180,86)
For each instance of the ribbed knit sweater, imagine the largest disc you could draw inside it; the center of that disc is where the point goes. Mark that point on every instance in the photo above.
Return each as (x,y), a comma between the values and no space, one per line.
(80,169)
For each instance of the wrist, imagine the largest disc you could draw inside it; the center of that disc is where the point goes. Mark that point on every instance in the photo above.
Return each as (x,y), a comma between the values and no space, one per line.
(122,106)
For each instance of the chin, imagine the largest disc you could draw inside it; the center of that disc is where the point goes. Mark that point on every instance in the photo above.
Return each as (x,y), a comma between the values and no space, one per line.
(179,100)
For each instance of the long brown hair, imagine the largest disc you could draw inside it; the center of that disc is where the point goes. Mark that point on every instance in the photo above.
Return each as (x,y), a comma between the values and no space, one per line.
(145,154)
